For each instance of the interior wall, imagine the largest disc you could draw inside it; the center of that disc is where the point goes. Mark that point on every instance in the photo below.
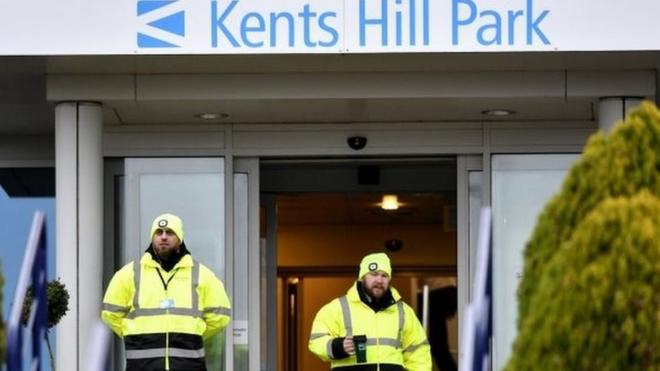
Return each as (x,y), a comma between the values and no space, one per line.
(345,245)
(316,292)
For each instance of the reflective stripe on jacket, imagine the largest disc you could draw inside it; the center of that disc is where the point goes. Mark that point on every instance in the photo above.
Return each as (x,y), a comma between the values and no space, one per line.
(395,338)
(164,317)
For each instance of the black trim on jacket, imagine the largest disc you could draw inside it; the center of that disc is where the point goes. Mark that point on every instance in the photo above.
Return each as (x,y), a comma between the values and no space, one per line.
(338,351)
(158,341)
(187,364)
(145,364)
(145,341)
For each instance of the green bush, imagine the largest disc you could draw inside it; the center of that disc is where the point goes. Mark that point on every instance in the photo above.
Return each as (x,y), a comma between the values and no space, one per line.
(57,297)
(597,304)
(566,316)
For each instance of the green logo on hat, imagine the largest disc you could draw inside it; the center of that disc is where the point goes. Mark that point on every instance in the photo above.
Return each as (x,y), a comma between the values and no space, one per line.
(162,223)
(373,266)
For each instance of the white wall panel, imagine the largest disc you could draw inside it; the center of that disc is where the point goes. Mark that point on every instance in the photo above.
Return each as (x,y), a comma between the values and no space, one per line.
(163,142)
(72,27)
(90,87)
(330,139)
(319,139)
(531,137)
(608,83)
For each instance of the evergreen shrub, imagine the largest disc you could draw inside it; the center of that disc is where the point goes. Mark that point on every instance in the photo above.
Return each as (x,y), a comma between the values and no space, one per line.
(590,293)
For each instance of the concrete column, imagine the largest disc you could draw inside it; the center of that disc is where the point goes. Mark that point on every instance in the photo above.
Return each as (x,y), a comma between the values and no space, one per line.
(611,110)
(79,225)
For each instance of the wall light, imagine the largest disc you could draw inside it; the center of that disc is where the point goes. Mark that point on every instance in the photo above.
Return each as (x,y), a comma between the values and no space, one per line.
(212,116)
(499,112)
(390,202)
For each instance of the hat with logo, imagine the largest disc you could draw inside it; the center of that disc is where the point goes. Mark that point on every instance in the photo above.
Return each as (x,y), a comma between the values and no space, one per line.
(375,262)
(168,221)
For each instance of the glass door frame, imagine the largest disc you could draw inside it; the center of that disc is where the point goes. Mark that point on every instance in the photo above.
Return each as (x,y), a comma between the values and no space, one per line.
(466,232)
(269,212)
(245,226)
(115,214)
(262,251)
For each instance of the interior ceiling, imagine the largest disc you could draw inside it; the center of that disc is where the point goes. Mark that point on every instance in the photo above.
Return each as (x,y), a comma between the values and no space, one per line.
(24,109)
(364,209)
(350,191)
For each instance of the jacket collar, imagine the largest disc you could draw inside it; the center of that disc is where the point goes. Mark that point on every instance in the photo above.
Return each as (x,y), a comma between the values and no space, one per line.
(353,295)
(147,260)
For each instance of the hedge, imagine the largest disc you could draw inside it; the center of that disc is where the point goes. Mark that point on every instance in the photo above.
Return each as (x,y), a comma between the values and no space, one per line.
(622,166)
(597,306)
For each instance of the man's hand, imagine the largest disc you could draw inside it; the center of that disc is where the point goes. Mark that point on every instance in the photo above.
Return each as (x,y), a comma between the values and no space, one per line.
(349,347)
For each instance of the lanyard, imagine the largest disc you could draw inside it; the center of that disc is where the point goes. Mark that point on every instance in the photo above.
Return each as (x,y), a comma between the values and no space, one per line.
(163,280)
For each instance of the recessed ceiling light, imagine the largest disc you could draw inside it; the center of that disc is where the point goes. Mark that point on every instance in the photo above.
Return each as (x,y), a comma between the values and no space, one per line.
(499,112)
(390,202)
(212,115)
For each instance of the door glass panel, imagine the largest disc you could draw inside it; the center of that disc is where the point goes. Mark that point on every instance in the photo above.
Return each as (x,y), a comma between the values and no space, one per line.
(521,185)
(193,189)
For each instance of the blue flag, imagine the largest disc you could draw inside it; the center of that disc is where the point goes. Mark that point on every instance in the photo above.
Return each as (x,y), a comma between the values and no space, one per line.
(33,269)
(478,321)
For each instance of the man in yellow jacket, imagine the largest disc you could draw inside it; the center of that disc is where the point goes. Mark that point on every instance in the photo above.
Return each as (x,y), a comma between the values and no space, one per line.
(370,328)
(165,305)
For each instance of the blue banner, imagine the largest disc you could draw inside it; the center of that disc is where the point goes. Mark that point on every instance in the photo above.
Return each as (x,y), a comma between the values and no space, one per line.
(34,270)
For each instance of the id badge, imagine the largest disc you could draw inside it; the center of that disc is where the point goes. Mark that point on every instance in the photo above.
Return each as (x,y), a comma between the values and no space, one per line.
(167,304)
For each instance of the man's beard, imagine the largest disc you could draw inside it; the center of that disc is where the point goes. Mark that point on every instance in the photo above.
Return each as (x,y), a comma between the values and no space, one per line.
(375,294)
(164,253)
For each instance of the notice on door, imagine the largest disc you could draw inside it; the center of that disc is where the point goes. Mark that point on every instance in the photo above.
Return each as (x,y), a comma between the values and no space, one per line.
(240,332)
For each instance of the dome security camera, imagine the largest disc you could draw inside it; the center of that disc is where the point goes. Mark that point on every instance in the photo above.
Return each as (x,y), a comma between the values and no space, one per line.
(357,143)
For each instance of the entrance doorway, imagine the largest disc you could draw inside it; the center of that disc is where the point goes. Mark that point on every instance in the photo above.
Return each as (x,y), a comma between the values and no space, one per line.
(329,214)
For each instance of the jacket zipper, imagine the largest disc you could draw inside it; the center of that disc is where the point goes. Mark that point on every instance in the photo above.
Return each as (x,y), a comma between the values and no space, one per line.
(377,343)
(167,315)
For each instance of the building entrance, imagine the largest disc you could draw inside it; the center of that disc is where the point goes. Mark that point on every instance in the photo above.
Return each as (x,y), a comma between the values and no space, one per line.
(330,213)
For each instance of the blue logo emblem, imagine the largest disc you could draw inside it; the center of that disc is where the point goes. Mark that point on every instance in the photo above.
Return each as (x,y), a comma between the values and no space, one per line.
(163,23)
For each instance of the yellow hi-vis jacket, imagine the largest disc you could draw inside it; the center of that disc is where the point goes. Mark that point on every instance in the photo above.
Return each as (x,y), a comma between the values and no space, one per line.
(395,338)
(162,316)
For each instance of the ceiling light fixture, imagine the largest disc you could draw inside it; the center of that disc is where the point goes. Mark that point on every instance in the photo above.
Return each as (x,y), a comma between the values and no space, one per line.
(498,112)
(212,116)
(390,202)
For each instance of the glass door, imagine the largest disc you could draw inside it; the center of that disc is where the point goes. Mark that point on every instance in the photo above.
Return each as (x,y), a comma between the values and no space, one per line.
(192,188)
(246,293)
(521,186)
